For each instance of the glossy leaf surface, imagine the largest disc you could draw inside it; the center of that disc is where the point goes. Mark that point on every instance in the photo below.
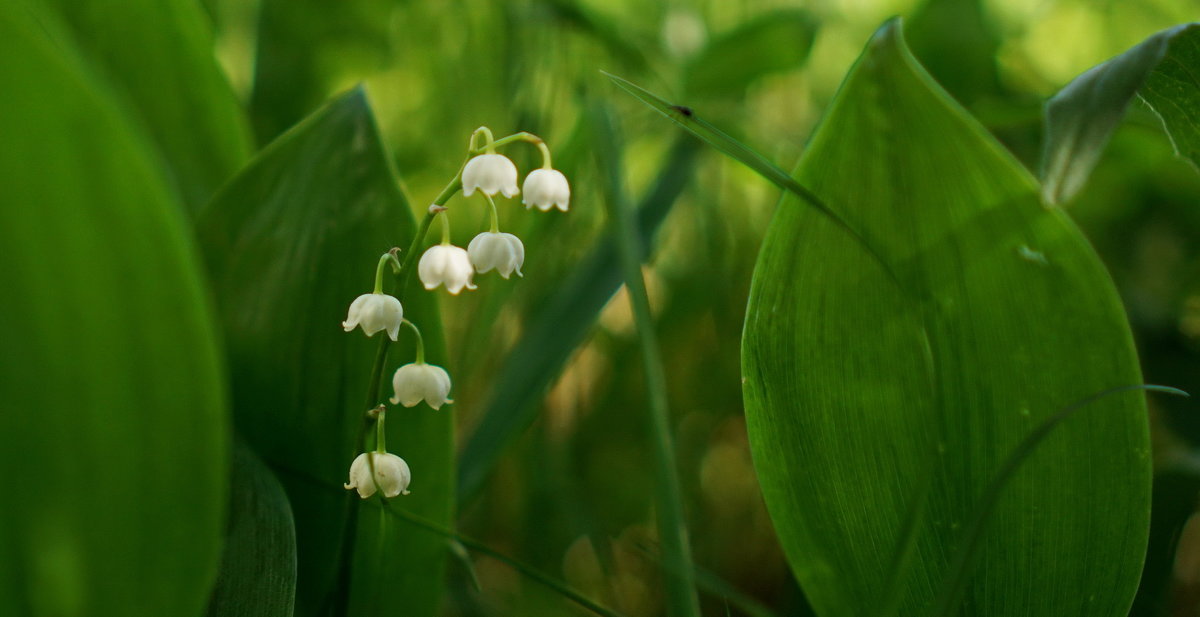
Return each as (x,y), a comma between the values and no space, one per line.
(957,336)
(289,244)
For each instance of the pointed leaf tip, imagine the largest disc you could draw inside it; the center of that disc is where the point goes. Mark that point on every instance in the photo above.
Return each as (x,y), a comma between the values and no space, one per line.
(839,414)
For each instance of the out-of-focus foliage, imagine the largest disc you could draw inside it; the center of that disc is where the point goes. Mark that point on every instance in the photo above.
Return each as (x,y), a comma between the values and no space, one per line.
(773,43)
(289,242)
(112,395)
(158,54)
(569,490)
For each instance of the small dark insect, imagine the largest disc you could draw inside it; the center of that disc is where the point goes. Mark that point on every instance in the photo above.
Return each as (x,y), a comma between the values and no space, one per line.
(687,111)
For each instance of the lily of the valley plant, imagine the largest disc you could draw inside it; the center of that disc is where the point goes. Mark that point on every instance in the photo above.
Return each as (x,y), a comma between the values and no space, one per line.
(453,268)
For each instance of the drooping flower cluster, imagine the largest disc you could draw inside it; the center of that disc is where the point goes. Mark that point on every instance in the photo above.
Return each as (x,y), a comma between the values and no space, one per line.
(492,174)
(452,267)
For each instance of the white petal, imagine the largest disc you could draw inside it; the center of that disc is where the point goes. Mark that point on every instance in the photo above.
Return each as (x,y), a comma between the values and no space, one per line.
(392,473)
(437,386)
(407,384)
(490,173)
(354,315)
(499,251)
(518,251)
(446,265)
(429,268)
(360,477)
(546,188)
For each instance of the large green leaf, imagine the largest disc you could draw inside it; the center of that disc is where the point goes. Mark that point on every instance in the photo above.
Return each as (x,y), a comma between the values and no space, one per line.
(258,567)
(1081,117)
(290,243)
(977,314)
(112,421)
(159,56)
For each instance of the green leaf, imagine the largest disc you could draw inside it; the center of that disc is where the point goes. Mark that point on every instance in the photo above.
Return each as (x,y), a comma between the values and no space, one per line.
(113,421)
(159,57)
(1082,116)
(968,551)
(553,333)
(1172,90)
(772,42)
(158,54)
(258,567)
(998,314)
(290,243)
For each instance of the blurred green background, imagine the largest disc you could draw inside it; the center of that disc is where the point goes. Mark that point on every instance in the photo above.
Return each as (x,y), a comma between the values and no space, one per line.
(573,494)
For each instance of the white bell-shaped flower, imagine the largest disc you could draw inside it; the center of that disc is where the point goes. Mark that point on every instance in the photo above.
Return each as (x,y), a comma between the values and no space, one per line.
(499,251)
(490,173)
(418,382)
(375,312)
(448,265)
(546,188)
(391,472)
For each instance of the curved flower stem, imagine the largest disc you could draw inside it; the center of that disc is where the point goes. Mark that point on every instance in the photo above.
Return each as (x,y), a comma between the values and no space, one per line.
(380,441)
(445,227)
(387,258)
(489,145)
(495,215)
(524,136)
(420,341)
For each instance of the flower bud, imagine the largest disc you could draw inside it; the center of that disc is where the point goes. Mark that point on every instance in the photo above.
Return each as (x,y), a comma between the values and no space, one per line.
(419,381)
(490,173)
(500,251)
(546,188)
(447,265)
(375,312)
(391,472)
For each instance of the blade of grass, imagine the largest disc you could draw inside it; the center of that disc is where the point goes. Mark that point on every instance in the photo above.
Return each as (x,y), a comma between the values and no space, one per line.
(687,118)
(516,564)
(709,582)
(682,600)
(464,541)
(968,551)
(906,543)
